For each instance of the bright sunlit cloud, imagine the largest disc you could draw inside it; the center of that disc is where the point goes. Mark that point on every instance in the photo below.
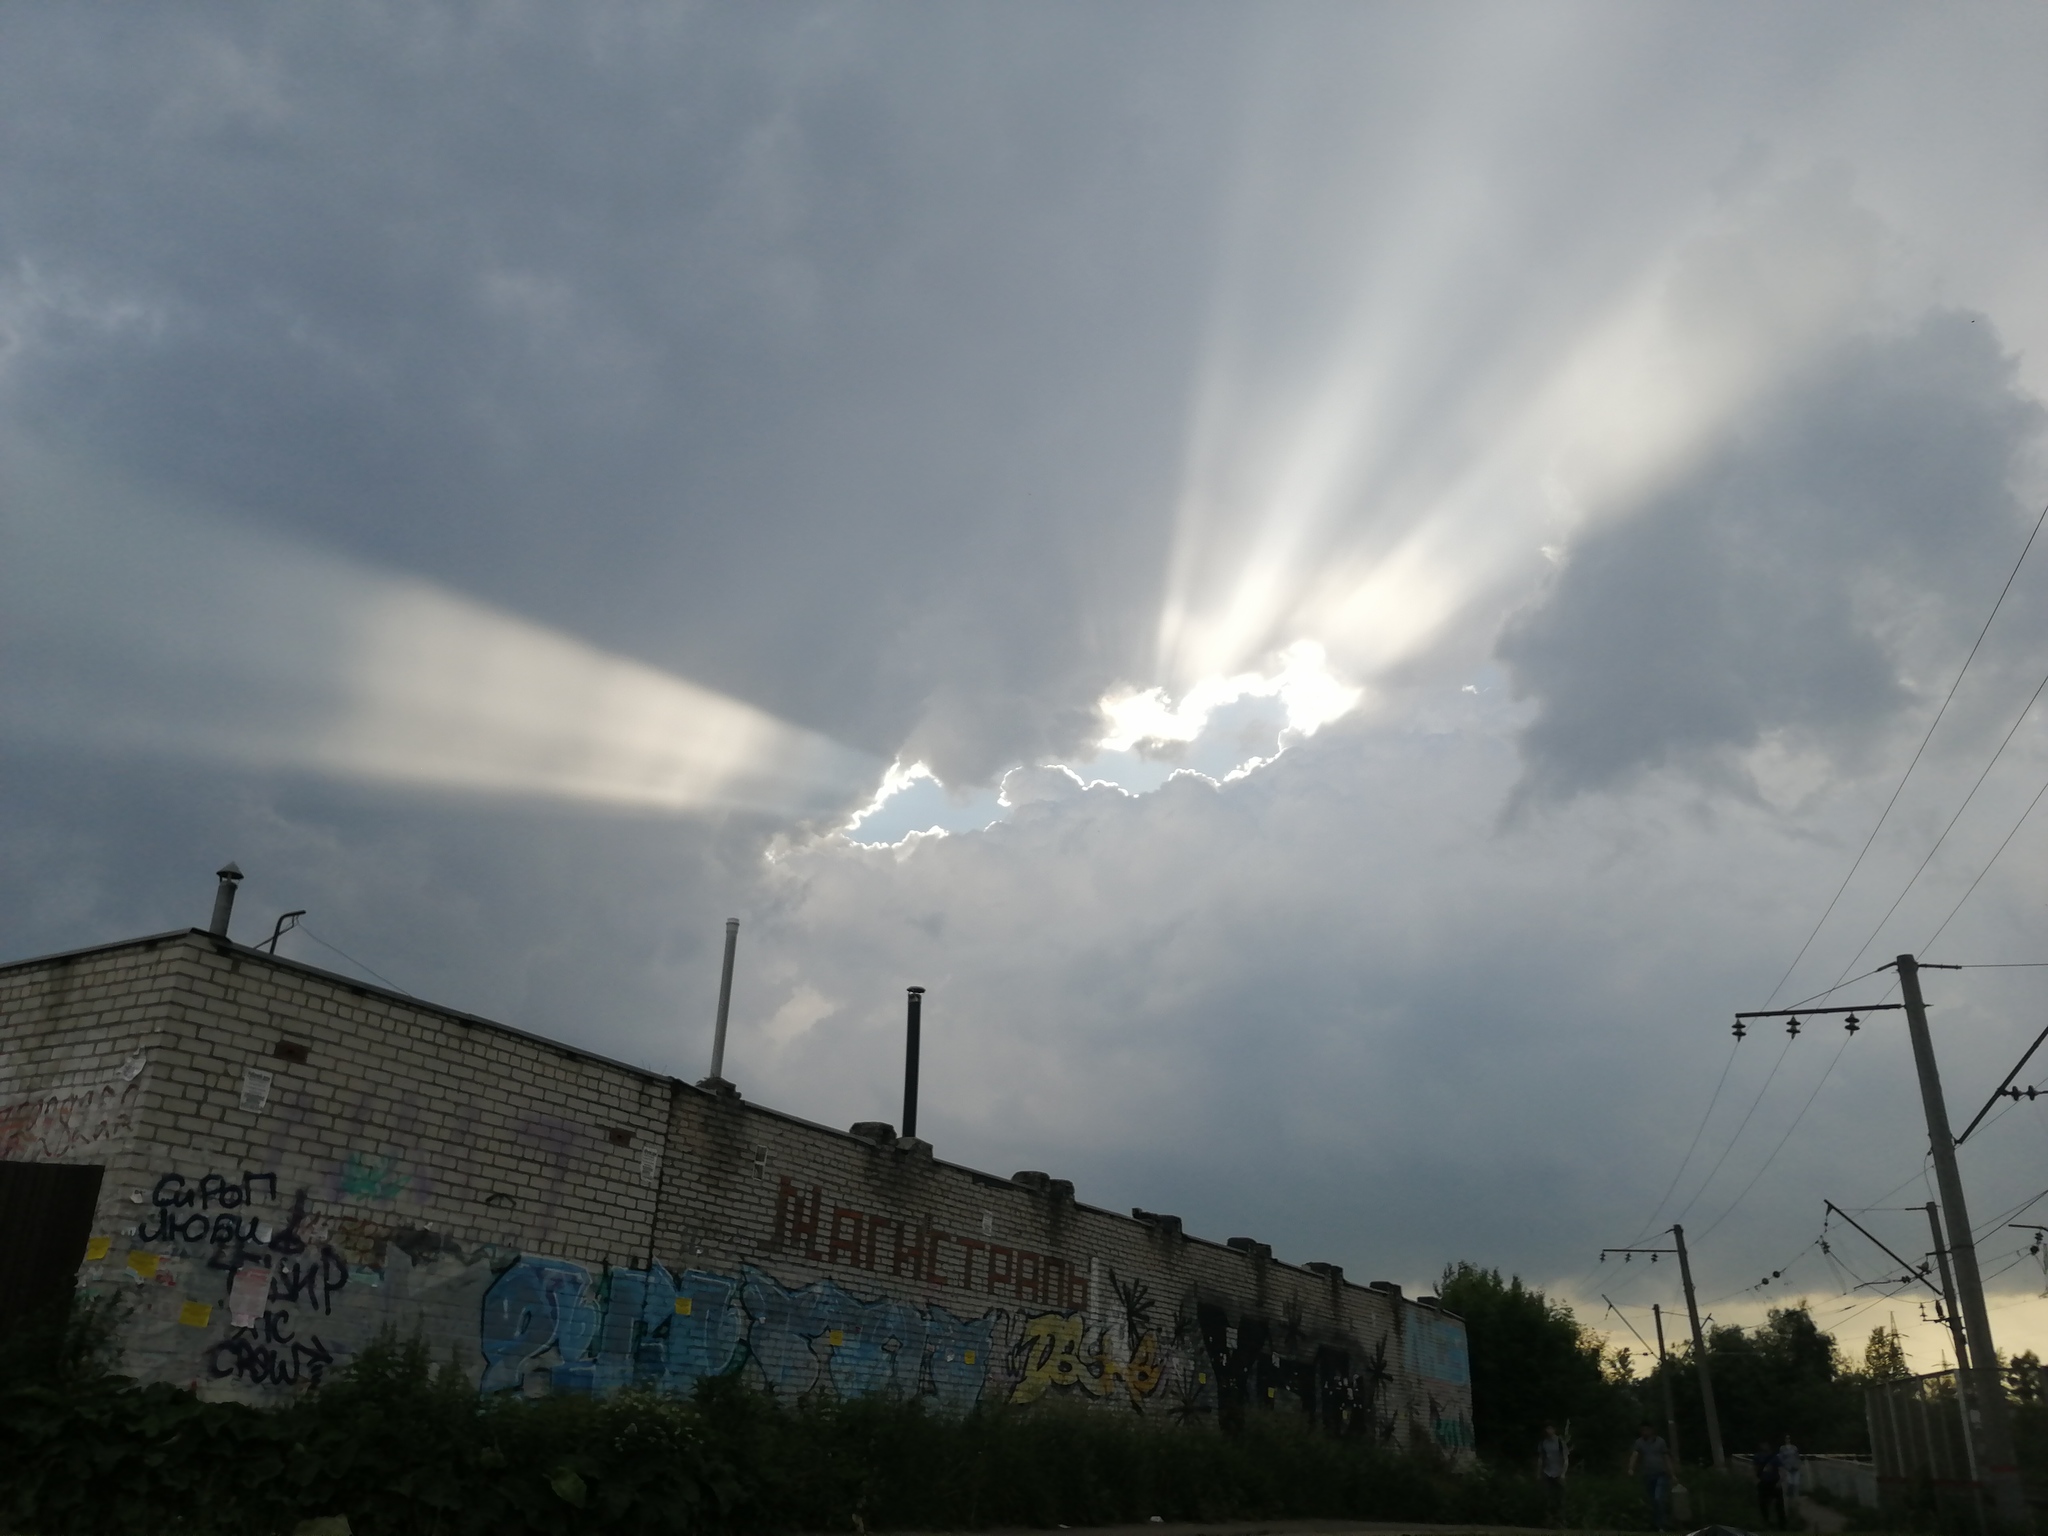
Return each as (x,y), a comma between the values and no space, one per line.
(227,643)
(1222,728)
(1316,499)
(1311,696)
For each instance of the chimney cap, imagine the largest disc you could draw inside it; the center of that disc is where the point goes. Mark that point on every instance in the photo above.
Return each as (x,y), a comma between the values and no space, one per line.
(229,871)
(916,991)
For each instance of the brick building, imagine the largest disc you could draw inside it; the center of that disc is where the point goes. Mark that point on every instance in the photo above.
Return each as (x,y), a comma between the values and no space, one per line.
(273,1163)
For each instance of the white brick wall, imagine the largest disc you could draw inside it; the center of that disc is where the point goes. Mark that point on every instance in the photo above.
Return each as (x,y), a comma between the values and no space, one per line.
(420,1169)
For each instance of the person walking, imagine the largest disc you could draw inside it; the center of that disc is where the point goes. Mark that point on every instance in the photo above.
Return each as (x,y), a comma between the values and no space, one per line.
(1650,1459)
(1552,1457)
(1770,1492)
(1790,1465)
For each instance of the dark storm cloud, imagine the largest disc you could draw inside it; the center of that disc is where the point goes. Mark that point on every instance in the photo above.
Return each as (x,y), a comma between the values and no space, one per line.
(848,360)
(1770,587)
(765,353)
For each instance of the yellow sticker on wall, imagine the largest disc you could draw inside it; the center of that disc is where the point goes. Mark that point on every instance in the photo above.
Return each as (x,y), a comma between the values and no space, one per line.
(682,1306)
(1269,1391)
(195,1314)
(96,1247)
(143,1264)
(1202,1379)
(969,1357)
(836,1337)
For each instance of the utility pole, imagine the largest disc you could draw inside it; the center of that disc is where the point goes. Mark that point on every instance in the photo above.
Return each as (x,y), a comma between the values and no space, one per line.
(1948,1288)
(1699,1349)
(1955,1328)
(1664,1379)
(1986,1398)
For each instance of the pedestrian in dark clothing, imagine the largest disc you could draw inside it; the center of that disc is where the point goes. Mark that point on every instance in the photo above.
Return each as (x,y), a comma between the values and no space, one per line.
(1650,1459)
(1552,1457)
(1770,1492)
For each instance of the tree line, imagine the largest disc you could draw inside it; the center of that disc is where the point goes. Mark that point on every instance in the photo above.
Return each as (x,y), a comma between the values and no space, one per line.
(1534,1362)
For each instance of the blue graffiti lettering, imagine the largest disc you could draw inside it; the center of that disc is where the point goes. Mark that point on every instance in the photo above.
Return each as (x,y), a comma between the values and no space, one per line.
(634,1327)
(822,1339)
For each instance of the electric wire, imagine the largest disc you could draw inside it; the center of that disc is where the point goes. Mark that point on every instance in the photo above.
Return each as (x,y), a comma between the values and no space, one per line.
(1721,1083)
(1714,1100)
(1917,873)
(1631,1327)
(2043,790)
(1883,815)
(1893,1295)
(1764,1167)
(1769,1077)
(2001,1112)
(1770,1279)
(1984,1229)
(1732,1140)
(352,960)
(1835,900)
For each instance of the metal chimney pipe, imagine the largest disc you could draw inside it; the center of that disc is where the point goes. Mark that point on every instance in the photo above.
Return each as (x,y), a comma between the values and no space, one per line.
(910,1045)
(223,900)
(732,940)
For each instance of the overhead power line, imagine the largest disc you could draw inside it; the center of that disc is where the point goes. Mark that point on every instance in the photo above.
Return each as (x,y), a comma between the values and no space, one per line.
(1917,873)
(1764,1167)
(1952,911)
(1918,751)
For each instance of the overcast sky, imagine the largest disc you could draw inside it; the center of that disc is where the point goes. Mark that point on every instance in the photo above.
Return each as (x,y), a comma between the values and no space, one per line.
(1403,551)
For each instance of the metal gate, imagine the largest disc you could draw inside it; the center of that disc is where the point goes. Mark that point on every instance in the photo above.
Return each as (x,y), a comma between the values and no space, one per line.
(45,1218)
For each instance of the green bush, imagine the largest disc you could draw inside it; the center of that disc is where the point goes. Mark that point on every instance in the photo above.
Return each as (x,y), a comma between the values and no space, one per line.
(403,1449)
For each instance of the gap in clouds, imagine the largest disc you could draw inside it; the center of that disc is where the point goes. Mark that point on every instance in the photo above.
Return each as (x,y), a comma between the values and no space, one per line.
(1222,729)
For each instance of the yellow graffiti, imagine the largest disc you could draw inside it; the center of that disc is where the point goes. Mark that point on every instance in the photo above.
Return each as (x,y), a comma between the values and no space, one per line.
(1053,1355)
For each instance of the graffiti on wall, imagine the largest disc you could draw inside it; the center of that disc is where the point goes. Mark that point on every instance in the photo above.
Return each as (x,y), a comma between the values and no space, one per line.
(259,1288)
(1439,1355)
(919,1251)
(265,1345)
(663,1332)
(281,1292)
(629,1327)
(819,1338)
(59,1125)
(366,1176)
(1061,1352)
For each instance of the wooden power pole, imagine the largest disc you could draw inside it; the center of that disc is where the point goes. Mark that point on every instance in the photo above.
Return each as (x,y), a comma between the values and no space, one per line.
(1699,1349)
(1985,1398)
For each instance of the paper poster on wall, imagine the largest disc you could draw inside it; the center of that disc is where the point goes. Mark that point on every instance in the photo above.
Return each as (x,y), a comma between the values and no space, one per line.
(195,1314)
(96,1248)
(246,1295)
(255,1089)
(141,1265)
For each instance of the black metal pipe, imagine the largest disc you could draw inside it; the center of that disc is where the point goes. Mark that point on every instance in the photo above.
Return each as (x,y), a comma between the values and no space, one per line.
(910,1047)
(223,901)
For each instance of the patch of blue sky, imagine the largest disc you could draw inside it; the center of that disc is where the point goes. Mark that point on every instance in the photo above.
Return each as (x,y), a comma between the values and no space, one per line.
(1237,736)
(1233,738)
(926,805)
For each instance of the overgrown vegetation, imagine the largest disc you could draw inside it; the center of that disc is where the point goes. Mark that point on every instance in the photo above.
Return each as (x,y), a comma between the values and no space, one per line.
(400,1447)
(403,1448)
